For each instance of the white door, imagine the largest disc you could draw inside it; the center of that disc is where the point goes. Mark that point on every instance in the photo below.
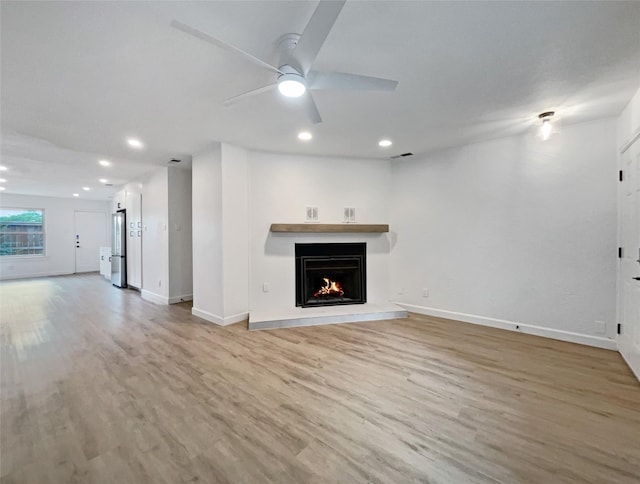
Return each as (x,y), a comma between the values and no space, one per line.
(91,234)
(629,284)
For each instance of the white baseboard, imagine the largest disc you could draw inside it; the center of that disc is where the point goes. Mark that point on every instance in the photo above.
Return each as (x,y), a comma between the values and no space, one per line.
(153,297)
(579,338)
(219,320)
(631,355)
(9,277)
(179,299)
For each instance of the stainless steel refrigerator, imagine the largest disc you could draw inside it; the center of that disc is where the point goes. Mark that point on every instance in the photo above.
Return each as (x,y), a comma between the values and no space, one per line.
(119,249)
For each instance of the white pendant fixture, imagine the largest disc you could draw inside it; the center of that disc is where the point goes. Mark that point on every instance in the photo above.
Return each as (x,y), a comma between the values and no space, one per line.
(546,129)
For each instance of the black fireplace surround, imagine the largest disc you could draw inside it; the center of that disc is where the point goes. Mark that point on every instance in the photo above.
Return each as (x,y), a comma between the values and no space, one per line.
(331,274)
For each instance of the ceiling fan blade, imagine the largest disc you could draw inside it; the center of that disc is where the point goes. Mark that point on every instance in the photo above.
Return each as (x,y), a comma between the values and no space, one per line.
(220,43)
(343,80)
(245,95)
(311,109)
(315,34)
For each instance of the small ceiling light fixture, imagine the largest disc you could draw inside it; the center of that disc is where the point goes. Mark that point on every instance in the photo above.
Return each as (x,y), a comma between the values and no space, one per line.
(102,180)
(86,189)
(2,189)
(3,168)
(2,180)
(385,143)
(135,143)
(76,194)
(305,136)
(291,83)
(105,162)
(546,129)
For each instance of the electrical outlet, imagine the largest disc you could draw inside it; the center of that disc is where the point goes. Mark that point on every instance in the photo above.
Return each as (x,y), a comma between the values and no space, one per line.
(425,292)
(600,327)
(265,287)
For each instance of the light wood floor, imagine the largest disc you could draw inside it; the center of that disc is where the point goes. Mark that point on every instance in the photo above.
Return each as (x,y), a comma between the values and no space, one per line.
(101,386)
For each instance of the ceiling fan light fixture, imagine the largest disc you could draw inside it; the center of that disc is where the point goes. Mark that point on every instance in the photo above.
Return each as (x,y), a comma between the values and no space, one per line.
(291,85)
(546,128)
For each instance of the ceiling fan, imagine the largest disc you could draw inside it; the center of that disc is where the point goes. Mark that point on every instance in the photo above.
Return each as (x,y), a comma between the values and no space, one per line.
(297,54)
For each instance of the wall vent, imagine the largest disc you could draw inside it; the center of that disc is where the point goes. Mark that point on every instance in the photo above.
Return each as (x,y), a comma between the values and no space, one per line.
(395,157)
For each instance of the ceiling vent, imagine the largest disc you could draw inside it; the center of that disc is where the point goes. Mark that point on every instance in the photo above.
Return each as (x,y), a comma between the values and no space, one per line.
(400,156)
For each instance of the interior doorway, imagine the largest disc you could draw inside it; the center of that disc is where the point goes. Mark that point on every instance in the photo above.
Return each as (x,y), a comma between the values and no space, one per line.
(90,234)
(629,270)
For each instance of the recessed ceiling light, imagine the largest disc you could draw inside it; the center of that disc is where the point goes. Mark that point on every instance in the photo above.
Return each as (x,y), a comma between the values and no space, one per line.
(86,189)
(2,180)
(3,168)
(103,180)
(135,143)
(104,162)
(1,189)
(305,136)
(76,194)
(385,143)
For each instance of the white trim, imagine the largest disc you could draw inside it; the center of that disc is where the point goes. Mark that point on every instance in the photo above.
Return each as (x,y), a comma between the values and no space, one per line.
(178,299)
(8,277)
(634,137)
(632,363)
(219,320)
(153,297)
(579,338)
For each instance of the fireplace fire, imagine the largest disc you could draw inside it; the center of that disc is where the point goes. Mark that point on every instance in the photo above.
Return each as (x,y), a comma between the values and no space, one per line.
(330,274)
(331,288)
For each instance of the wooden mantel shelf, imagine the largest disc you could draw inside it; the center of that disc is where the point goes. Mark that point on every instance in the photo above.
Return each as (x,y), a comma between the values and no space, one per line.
(334,228)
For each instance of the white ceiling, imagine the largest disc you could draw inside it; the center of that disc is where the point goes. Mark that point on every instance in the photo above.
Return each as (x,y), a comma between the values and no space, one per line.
(79,77)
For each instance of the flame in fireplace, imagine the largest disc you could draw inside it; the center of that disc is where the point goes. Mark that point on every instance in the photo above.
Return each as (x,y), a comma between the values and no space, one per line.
(331,288)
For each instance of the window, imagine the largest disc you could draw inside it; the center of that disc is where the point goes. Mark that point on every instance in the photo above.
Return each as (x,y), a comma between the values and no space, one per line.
(21,231)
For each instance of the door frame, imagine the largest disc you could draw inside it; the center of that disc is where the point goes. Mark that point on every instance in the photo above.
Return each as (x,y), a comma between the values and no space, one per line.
(631,358)
(75,233)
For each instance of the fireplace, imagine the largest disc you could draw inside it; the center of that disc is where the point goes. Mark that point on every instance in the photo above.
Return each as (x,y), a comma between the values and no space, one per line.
(331,274)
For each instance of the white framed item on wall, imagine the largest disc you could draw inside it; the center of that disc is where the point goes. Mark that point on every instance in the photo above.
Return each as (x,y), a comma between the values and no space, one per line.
(349,215)
(311,214)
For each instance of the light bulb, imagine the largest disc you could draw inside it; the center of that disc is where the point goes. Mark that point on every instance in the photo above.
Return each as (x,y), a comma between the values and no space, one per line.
(291,88)
(305,136)
(135,143)
(545,129)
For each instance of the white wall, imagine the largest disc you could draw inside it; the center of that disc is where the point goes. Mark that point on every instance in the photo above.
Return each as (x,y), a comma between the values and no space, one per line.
(280,186)
(155,236)
(180,239)
(59,235)
(629,121)
(207,233)
(512,231)
(235,235)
